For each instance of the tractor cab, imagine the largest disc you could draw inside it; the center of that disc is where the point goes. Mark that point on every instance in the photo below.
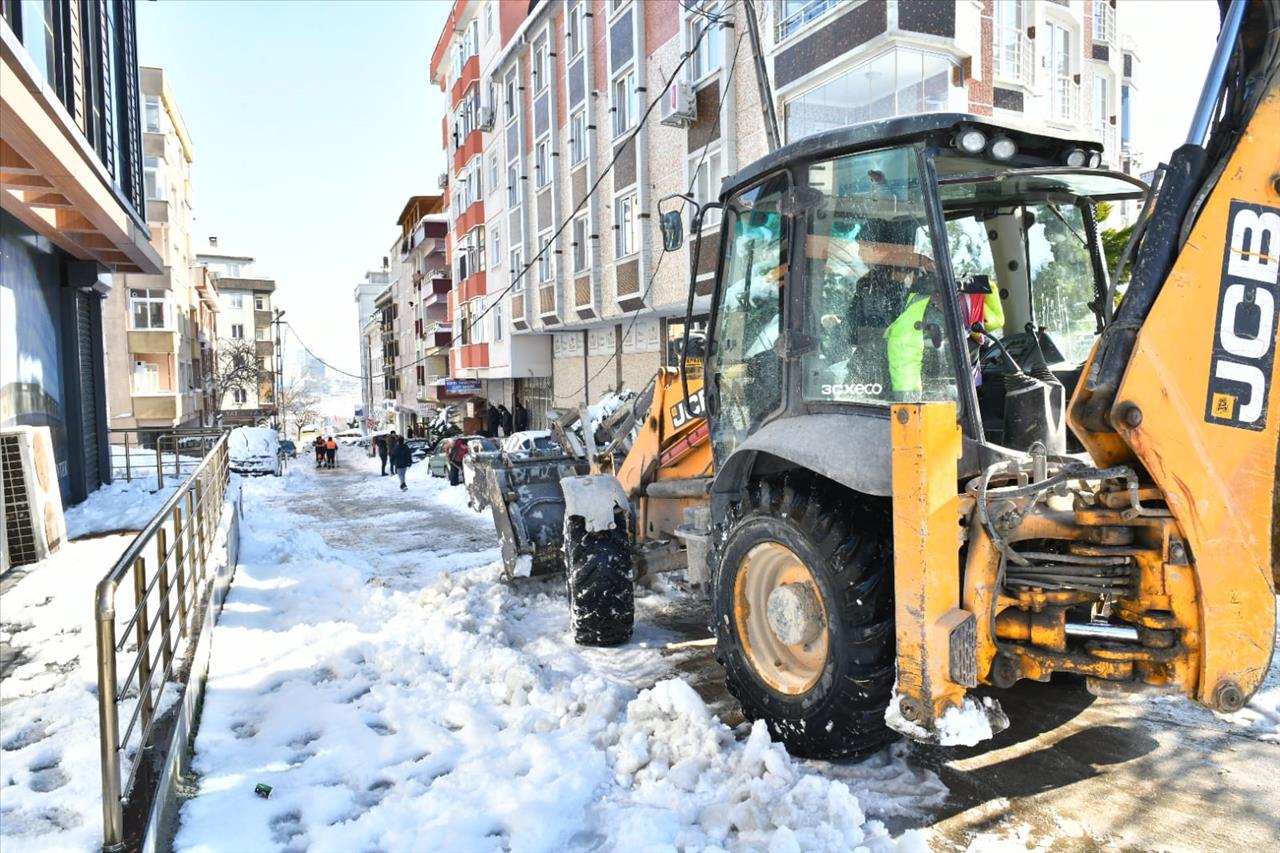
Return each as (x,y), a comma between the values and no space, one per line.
(927,258)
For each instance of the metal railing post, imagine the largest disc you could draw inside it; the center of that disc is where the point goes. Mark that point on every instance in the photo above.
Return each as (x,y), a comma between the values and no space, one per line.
(144,640)
(200,514)
(162,567)
(109,719)
(186,551)
(159,464)
(128,466)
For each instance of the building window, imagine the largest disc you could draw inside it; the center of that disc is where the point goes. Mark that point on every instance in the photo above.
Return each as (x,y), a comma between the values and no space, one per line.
(707,56)
(900,81)
(624,224)
(152,181)
(1011,52)
(264,333)
(578,137)
(237,301)
(706,174)
(625,103)
(513,185)
(237,331)
(259,303)
(1104,22)
(580,243)
(1100,113)
(1062,85)
(795,14)
(493,171)
(517,263)
(542,163)
(616,6)
(546,262)
(488,20)
(147,308)
(512,96)
(496,248)
(573,30)
(538,74)
(498,320)
(239,396)
(151,108)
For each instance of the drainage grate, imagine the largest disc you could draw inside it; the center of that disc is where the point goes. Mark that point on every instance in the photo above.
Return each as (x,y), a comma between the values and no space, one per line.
(20,529)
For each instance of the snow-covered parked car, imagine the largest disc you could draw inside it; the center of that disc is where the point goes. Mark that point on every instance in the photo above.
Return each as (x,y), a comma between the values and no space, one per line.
(255,451)
(529,440)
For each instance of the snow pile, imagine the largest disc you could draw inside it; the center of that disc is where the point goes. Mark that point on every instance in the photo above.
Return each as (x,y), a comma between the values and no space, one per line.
(119,506)
(973,721)
(51,786)
(397,696)
(686,783)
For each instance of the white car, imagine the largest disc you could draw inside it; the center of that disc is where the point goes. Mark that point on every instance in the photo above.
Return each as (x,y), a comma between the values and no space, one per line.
(255,451)
(533,439)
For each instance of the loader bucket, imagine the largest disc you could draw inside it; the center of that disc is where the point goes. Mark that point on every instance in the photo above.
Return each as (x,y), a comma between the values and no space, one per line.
(522,491)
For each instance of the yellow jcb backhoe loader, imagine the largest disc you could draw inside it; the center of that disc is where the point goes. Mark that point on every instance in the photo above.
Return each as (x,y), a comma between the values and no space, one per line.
(947,454)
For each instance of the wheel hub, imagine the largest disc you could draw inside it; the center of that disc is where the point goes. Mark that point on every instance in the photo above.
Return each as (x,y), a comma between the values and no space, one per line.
(795,614)
(781,618)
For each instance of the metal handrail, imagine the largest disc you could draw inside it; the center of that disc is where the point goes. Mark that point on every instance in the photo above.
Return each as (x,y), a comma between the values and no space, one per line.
(141,458)
(174,584)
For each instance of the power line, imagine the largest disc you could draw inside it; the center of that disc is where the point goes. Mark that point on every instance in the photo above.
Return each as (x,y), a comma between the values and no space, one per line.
(706,147)
(712,20)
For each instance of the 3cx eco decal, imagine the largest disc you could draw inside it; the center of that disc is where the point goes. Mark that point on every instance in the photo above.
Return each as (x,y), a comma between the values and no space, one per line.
(1244,338)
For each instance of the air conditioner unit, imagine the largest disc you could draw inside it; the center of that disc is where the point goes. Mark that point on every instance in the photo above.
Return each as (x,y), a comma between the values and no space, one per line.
(444,180)
(679,106)
(486,118)
(31,523)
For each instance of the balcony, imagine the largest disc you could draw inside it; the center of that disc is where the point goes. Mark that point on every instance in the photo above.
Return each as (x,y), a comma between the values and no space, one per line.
(157,406)
(153,341)
(1013,57)
(518,320)
(547,300)
(472,286)
(471,356)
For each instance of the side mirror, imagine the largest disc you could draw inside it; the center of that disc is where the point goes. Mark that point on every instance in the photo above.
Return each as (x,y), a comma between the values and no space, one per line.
(672,225)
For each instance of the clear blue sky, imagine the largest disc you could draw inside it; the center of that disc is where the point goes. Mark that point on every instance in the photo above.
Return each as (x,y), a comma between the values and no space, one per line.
(312,123)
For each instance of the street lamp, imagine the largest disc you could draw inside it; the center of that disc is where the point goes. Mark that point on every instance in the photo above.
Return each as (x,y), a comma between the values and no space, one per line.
(277,376)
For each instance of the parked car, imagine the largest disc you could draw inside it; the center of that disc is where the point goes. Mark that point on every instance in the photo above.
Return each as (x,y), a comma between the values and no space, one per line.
(529,440)
(255,451)
(438,462)
(288,448)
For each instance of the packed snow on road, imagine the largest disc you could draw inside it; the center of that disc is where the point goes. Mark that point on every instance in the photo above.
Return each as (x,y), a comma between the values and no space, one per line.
(373,670)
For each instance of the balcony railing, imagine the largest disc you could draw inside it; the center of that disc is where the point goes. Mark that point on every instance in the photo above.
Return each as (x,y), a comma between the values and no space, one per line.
(1104,22)
(810,11)
(1013,59)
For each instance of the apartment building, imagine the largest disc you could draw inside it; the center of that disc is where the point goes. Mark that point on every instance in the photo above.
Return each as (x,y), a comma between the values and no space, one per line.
(546,104)
(71,218)
(245,331)
(369,335)
(160,329)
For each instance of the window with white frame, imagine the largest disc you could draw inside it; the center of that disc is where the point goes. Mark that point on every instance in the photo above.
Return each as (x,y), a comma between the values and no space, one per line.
(237,331)
(259,303)
(538,74)
(499,319)
(148,309)
(580,248)
(705,175)
(475,310)
(513,185)
(511,96)
(542,163)
(898,81)
(517,263)
(239,395)
(616,6)
(573,30)
(578,137)
(494,165)
(625,210)
(1100,112)
(1011,48)
(151,105)
(495,243)
(625,102)
(488,20)
(546,258)
(152,180)
(707,47)
(1062,93)
(237,301)
(1104,21)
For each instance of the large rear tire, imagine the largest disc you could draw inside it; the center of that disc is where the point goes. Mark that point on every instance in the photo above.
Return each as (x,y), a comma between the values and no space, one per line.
(600,582)
(803,607)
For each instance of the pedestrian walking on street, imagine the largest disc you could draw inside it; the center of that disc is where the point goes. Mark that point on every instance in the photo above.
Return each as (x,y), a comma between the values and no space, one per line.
(331,453)
(504,419)
(380,444)
(319,446)
(393,441)
(521,417)
(401,459)
(493,420)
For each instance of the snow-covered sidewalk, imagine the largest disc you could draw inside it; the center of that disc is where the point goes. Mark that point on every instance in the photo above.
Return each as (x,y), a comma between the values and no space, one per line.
(372,669)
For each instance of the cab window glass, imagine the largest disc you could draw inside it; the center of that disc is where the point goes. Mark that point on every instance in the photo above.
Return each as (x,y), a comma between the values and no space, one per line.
(1062,284)
(874,304)
(747,366)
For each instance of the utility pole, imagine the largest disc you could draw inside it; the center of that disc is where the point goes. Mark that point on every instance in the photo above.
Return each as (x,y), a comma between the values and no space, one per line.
(762,79)
(278,375)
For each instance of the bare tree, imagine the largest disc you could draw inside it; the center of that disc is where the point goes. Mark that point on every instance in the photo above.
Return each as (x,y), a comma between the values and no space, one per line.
(237,368)
(299,403)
